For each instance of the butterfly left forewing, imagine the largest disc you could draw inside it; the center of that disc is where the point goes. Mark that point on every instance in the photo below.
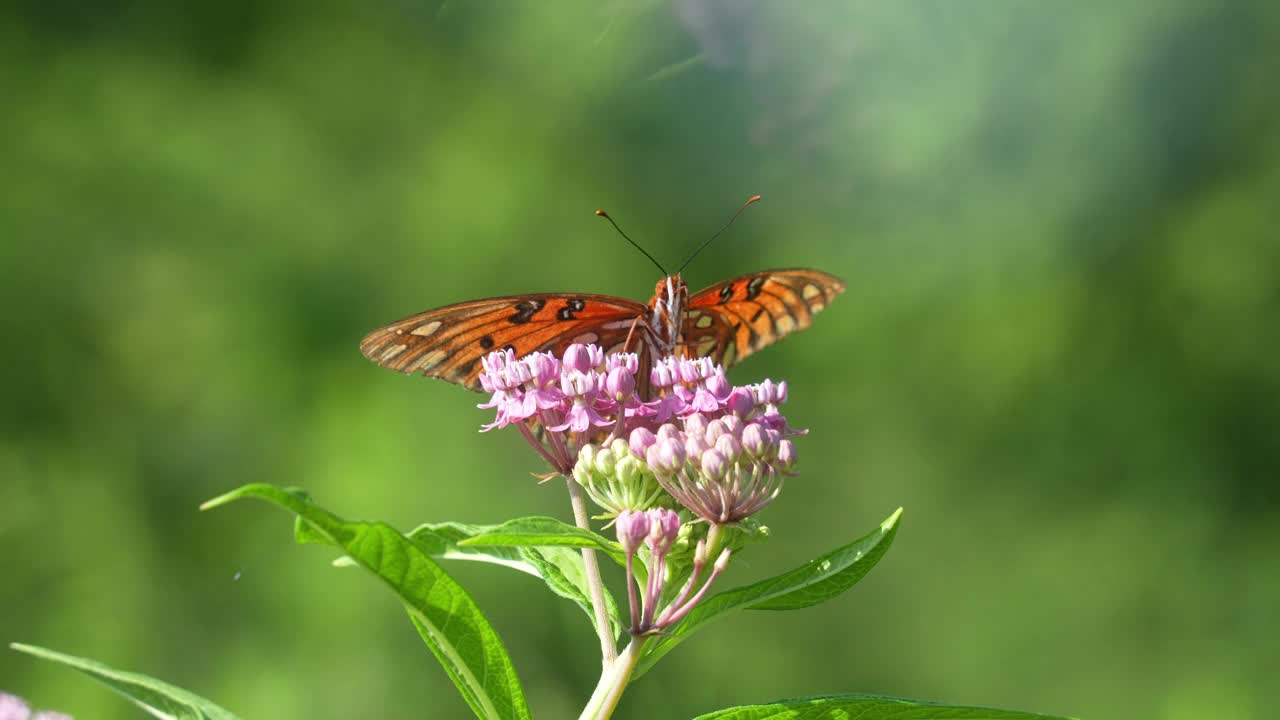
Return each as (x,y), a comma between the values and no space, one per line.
(448,342)
(737,317)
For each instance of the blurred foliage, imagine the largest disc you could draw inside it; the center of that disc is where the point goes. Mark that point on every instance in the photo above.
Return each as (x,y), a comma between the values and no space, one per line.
(1058,348)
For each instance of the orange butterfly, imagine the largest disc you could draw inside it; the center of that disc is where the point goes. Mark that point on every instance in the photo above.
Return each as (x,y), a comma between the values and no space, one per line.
(727,322)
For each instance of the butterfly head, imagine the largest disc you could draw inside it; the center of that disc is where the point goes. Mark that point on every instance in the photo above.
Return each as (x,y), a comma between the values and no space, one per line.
(667,307)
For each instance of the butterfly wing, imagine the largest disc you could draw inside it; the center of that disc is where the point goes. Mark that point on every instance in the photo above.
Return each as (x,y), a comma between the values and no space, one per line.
(448,342)
(732,319)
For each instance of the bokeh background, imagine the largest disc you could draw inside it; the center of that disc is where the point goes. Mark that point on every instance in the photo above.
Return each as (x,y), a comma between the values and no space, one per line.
(1058,349)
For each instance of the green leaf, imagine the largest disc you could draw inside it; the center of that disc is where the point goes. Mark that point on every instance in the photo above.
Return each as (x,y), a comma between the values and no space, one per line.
(814,582)
(544,532)
(450,622)
(865,707)
(559,567)
(158,698)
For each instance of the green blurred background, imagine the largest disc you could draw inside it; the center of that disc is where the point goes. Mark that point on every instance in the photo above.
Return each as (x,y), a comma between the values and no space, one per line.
(1057,350)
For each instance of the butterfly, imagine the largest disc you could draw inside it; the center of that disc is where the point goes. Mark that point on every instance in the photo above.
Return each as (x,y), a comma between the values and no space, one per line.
(726,322)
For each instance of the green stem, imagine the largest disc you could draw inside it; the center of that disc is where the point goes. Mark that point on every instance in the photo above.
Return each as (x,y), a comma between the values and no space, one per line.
(613,682)
(608,650)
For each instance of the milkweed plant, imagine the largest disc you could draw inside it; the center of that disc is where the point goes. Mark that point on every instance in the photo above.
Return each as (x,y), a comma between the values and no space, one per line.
(668,489)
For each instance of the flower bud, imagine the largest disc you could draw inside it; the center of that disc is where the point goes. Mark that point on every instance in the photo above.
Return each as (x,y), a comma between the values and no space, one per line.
(668,432)
(664,527)
(786,456)
(714,430)
(755,440)
(733,424)
(728,446)
(632,528)
(641,440)
(628,469)
(605,462)
(695,446)
(665,457)
(587,455)
(722,562)
(620,384)
(577,358)
(695,424)
(714,465)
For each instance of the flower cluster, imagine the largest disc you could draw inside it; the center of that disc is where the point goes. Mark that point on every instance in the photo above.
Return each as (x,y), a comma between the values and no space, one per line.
(658,529)
(719,450)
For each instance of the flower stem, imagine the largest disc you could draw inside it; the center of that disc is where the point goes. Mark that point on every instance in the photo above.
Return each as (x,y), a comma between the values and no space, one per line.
(613,681)
(608,650)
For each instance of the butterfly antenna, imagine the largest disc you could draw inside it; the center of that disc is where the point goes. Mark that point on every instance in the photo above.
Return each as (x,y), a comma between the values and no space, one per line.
(727,225)
(634,244)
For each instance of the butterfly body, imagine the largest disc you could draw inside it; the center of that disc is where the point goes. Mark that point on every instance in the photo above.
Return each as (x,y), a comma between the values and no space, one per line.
(726,321)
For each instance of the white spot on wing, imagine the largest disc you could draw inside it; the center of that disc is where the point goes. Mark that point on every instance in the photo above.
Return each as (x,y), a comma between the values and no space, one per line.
(391,352)
(785,324)
(430,360)
(429,328)
(587,337)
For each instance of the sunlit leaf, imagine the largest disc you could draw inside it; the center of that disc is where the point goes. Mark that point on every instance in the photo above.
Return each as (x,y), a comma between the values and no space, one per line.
(160,699)
(450,622)
(544,532)
(865,707)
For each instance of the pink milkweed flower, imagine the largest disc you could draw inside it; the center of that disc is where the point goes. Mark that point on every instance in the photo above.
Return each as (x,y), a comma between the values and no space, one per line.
(630,361)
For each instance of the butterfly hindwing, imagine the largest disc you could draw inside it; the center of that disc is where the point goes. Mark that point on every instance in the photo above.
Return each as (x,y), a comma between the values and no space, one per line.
(448,342)
(737,317)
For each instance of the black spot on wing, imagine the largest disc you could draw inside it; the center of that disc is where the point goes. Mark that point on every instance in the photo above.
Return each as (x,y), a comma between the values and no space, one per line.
(486,342)
(525,310)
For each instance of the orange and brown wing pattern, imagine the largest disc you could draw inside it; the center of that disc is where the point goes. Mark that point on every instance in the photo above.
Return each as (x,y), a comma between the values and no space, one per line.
(732,319)
(448,342)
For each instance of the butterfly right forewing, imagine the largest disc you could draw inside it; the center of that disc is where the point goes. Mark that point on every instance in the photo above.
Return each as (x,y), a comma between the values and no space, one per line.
(448,342)
(732,319)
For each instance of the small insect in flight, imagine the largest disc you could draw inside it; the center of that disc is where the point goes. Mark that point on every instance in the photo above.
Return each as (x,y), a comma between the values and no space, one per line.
(726,321)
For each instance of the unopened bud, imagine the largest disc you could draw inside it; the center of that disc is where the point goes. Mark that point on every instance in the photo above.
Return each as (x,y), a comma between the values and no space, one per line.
(733,425)
(722,562)
(605,462)
(714,430)
(664,527)
(641,440)
(695,446)
(668,432)
(578,358)
(628,470)
(714,465)
(695,424)
(665,457)
(632,528)
(728,446)
(755,440)
(620,384)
